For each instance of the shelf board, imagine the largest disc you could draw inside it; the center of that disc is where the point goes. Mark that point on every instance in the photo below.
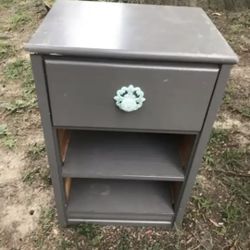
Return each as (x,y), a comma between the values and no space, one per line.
(121,200)
(119,155)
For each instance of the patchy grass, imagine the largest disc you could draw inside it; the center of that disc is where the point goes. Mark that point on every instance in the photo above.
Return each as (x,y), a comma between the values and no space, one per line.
(230,93)
(245,111)
(230,164)
(7,3)
(231,214)
(242,110)
(46,219)
(19,20)
(36,172)
(90,231)
(66,244)
(3,130)
(232,157)
(203,203)
(6,50)
(9,142)
(237,101)
(124,241)
(222,151)
(6,137)
(21,70)
(38,175)
(218,138)
(36,151)
(20,105)
(235,33)
(16,69)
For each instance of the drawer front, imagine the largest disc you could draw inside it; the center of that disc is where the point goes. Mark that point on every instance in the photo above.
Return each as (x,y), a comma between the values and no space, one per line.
(82,95)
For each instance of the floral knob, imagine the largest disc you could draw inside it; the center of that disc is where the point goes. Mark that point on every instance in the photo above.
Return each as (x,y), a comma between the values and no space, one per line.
(129,98)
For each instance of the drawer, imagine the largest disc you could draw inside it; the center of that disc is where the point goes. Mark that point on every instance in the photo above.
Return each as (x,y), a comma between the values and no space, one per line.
(82,94)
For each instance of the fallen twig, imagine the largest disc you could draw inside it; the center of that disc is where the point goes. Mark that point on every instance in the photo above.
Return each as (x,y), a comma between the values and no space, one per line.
(233,173)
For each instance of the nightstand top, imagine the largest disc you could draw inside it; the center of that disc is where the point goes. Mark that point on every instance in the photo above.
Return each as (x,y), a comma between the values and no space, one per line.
(130,31)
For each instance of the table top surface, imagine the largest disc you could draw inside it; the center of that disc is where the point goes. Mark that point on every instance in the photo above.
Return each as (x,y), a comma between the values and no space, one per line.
(130,31)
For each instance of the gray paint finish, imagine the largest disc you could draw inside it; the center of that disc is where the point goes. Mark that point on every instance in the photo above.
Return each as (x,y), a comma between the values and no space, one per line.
(124,222)
(76,91)
(50,135)
(120,200)
(119,30)
(202,141)
(115,155)
(81,94)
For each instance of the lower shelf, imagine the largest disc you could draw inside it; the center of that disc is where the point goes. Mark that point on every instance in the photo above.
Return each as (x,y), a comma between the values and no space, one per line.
(141,202)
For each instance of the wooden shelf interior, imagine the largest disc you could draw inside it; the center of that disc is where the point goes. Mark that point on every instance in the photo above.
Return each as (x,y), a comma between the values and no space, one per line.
(186,145)
(67,186)
(63,140)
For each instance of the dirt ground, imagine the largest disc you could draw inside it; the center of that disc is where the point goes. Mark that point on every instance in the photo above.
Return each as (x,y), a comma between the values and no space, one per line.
(218,214)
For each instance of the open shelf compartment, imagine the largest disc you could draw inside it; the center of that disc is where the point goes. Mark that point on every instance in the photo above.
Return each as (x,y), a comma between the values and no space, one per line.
(124,155)
(123,200)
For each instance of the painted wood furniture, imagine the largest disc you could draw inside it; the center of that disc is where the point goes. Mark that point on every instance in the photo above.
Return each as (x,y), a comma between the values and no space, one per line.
(128,95)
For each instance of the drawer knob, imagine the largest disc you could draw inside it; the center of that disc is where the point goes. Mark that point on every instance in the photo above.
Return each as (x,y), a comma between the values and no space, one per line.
(129,98)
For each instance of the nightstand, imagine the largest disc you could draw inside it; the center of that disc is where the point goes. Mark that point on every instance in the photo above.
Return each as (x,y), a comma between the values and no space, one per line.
(128,95)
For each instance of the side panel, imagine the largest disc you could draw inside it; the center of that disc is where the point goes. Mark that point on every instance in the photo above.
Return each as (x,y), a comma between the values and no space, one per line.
(202,141)
(50,135)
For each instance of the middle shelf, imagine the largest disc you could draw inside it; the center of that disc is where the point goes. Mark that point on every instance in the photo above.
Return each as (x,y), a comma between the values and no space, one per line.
(125,155)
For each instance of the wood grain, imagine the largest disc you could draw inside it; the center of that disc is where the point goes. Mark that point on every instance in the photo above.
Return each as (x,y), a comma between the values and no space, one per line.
(67,185)
(185,148)
(64,138)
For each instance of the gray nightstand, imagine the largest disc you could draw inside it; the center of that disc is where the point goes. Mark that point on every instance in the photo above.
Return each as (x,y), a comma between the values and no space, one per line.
(128,95)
